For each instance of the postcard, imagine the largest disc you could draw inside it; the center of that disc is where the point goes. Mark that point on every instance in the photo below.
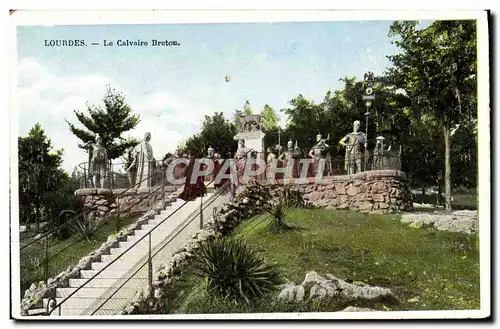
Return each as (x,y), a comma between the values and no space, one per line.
(260,164)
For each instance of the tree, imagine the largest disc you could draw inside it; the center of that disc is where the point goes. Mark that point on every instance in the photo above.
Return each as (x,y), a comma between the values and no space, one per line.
(306,120)
(44,188)
(109,122)
(436,68)
(269,118)
(216,132)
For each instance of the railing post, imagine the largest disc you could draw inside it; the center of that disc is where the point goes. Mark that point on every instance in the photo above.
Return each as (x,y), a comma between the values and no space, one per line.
(162,171)
(46,270)
(117,213)
(201,212)
(150,268)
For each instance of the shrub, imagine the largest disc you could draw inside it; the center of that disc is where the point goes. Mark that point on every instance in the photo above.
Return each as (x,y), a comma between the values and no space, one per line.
(293,198)
(276,208)
(232,270)
(86,226)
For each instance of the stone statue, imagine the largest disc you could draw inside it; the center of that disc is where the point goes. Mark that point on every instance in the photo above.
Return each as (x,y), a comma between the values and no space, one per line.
(242,151)
(132,169)
(145,162)
(379,160)
(288,154)
(248,123)
(317,152)
(211,156)
(98,163)
(270,156)
(353,153)
(210,152)
(241,156)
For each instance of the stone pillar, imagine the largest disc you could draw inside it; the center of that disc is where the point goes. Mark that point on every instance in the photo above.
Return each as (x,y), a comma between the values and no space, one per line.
(254,140)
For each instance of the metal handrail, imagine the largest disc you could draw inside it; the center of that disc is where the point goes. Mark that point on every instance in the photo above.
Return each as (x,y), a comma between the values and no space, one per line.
(86,211)
(132,246)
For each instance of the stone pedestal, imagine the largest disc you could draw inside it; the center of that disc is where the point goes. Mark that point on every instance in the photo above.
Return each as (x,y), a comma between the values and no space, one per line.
(254,140)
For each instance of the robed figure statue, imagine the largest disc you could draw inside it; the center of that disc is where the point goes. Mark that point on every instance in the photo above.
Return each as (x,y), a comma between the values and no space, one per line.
(145,163)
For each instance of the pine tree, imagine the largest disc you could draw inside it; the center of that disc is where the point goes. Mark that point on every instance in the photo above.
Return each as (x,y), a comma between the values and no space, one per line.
(109,122)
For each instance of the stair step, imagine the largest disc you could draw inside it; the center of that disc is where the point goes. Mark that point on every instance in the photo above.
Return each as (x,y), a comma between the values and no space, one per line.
(148,227)
(36,311)
(85,292)
(116,251)
(106,274)
(124,263)
(108,258)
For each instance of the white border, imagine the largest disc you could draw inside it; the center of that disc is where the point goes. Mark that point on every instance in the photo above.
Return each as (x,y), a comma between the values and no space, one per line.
(92,17)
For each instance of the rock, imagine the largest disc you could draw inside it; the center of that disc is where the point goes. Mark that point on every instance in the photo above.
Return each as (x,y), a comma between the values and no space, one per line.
(158,293)
(288,292)
(299,293)
(413,300)
(339,188)
(416,224)
(357,309)
(317,292)
(312,278)
(353,190)
(353,291)
(365,206)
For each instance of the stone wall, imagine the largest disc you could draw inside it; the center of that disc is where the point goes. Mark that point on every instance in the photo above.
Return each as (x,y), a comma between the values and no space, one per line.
(131,201)
(378,191)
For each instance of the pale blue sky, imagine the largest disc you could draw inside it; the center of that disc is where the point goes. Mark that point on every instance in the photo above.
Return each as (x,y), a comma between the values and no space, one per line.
(173,87)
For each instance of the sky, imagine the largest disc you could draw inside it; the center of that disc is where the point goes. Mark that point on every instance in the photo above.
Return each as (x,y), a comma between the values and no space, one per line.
(173,88)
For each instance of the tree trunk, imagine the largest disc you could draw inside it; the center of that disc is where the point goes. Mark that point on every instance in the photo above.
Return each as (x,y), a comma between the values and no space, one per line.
(447,168)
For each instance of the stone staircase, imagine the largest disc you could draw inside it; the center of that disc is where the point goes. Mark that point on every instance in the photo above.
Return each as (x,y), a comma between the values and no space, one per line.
(101,293)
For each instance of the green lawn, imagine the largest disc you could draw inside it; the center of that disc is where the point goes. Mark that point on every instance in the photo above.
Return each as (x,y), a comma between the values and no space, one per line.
(62,253)
(435,270)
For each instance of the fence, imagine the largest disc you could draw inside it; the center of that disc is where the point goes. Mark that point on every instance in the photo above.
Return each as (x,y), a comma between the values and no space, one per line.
(42,257)
(148,252)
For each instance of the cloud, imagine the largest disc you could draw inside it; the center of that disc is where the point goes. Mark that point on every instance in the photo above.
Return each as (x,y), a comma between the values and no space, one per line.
(50,99)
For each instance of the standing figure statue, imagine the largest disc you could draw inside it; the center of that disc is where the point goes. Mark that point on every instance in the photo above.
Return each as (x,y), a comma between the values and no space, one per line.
(145,162)
(98,163)
(317,152)
(297,153)
(132,168)
(211,156)
(379,157)
(288,157)
(271,157)
(353,152)
(242,154)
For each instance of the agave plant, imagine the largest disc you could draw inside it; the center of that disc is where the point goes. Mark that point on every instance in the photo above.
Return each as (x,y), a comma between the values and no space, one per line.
(233,270)
(276,207)
(86,226)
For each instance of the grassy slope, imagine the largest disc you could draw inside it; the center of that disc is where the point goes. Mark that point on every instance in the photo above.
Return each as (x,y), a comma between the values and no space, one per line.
(441,269)
(63,253)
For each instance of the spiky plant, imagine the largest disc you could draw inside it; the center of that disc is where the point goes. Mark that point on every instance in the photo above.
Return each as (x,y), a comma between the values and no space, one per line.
(86,226)
(233,270)
(276,207)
